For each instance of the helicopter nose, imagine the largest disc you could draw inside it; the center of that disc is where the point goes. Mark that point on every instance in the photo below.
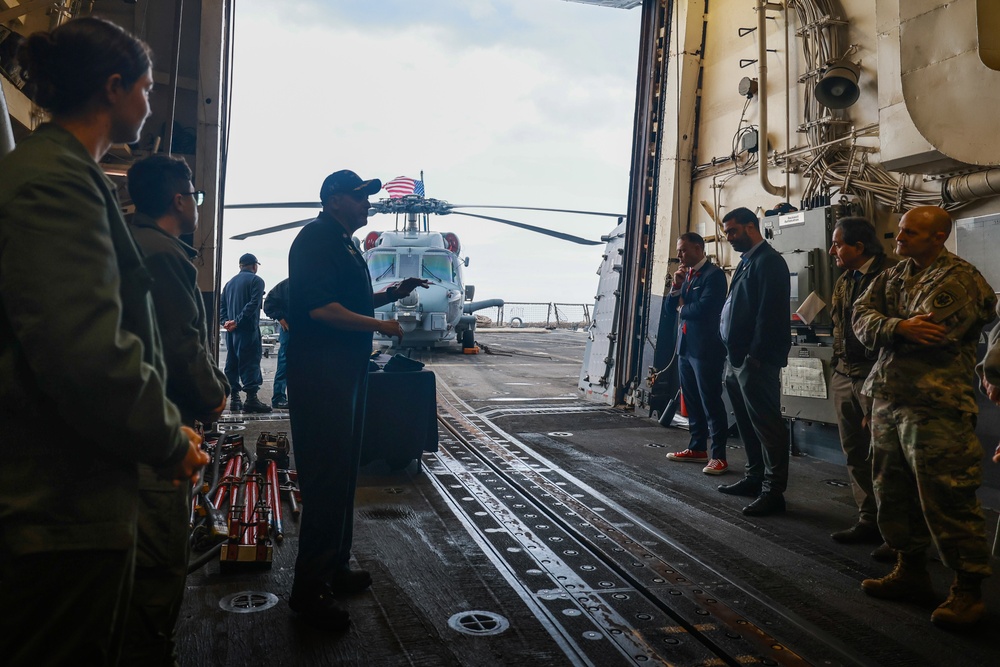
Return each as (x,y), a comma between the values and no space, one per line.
(410,300)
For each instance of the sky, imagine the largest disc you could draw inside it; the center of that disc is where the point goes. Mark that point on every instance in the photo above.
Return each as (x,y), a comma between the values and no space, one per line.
(499,102)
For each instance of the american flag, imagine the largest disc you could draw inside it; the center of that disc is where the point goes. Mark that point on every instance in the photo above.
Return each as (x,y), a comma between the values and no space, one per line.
(402,186)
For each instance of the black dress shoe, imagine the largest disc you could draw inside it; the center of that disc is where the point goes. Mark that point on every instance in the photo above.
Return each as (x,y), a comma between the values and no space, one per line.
(317,607)
(744,487)
(768,503)
(859,533)
(350,582)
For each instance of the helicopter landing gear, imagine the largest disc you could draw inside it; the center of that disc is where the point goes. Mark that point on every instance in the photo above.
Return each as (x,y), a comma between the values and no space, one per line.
(468,339)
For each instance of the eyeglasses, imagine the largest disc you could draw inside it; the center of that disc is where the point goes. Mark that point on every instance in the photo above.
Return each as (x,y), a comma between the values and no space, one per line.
(199,196)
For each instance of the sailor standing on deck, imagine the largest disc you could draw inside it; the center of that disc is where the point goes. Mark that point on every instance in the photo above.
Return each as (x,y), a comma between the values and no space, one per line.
(332,315)
(239,313)
(276,307)
(926,314)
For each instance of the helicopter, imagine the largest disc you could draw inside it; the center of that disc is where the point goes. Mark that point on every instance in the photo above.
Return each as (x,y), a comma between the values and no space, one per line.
(444,313)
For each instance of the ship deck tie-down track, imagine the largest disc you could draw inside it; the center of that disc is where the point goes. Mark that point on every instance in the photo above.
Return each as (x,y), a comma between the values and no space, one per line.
(588,569)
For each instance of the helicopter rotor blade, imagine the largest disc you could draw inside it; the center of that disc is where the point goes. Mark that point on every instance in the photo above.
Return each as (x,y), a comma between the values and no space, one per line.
(535,208)
(271,230)
(532,228)
(291,204)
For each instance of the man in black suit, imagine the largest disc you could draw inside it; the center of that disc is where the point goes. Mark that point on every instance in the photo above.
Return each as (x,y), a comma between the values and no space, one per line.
(699,290)
(756,331)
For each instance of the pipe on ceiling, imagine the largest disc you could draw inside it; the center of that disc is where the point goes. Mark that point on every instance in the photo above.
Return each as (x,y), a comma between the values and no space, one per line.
(762,7)
(972,186)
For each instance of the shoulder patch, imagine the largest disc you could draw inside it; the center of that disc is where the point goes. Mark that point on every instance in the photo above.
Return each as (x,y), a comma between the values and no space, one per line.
(947,302)
(943,300)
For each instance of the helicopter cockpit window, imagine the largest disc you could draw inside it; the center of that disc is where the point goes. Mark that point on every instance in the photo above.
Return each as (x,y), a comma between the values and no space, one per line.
(437,268)
(382,264)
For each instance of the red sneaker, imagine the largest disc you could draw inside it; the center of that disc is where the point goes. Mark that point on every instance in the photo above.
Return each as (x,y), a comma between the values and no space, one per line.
(715,467)
(688,455)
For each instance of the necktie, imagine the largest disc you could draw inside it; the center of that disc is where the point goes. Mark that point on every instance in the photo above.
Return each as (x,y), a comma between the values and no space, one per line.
(692,274)
(855,284)
(739,267)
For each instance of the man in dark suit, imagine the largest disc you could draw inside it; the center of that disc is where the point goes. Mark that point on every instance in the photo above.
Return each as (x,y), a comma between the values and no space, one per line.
(857,250)
(699,290)
(756,331)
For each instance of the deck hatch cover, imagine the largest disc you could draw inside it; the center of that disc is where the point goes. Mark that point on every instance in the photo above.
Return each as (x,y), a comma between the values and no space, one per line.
(479,623)
(248,602)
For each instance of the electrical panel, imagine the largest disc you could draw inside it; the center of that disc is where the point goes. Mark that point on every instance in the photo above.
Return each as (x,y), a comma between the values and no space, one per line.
(803,239)
(976,242)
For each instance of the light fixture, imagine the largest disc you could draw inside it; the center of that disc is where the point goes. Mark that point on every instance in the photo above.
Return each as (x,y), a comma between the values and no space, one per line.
(838,85)
(748,87)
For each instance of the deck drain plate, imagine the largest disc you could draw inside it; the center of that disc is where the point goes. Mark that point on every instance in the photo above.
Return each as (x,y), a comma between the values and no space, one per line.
(225,427)
(248,602)
(479,623)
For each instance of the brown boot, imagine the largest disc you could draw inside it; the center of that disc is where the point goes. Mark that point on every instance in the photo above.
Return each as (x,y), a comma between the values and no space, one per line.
(964,606)
(909,581)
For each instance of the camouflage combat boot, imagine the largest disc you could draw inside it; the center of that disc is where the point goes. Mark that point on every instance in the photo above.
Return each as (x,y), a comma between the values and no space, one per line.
(908,581)
(964,605)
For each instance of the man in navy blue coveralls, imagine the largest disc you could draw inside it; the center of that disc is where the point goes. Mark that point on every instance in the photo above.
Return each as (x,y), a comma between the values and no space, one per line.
(239,313)
(332,318)
(276,307)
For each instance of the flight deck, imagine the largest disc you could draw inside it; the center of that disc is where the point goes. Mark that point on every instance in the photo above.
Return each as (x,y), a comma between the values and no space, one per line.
(549,530)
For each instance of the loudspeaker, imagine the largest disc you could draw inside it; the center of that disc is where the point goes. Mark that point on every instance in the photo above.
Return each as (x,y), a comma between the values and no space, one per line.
(838,88)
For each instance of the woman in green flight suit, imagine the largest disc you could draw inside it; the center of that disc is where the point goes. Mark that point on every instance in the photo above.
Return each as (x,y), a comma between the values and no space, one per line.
(82,399)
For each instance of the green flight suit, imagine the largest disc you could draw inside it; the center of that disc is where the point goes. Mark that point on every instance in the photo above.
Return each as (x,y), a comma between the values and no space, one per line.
(926,457)
(197,386)
(82,403)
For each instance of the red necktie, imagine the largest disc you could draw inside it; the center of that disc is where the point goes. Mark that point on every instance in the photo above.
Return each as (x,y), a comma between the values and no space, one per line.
(692,274)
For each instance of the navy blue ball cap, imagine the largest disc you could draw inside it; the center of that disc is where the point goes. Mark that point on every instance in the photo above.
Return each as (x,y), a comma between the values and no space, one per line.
(248,259)
(346,181)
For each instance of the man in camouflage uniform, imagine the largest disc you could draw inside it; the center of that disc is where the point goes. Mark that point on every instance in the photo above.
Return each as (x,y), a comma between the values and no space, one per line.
(858,251)
(926,314)
(989,375)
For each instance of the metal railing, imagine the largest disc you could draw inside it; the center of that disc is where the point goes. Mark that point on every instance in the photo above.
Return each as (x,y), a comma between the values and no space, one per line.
(548,315)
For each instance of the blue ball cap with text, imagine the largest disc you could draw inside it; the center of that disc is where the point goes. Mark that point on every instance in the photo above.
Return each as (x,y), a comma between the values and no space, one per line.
(346,181)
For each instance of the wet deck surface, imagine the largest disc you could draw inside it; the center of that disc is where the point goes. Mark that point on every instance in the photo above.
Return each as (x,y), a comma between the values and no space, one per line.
(564,519)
